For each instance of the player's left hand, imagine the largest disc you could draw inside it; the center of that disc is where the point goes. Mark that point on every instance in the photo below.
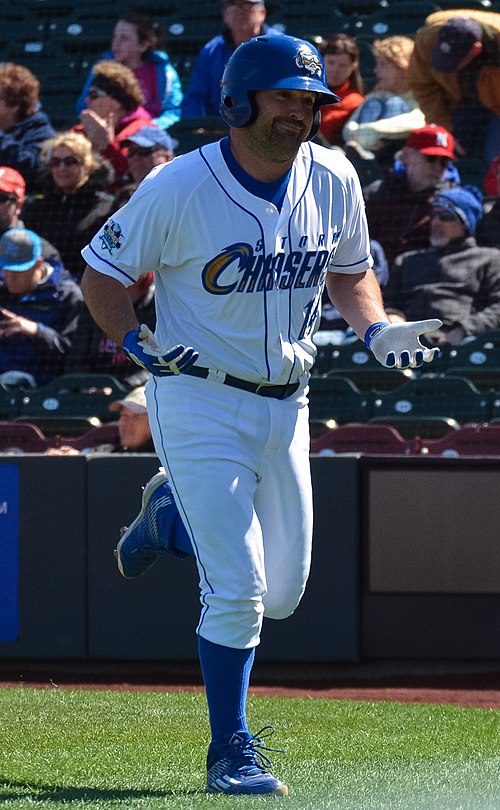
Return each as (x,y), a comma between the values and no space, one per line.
(398,345)
(142,348)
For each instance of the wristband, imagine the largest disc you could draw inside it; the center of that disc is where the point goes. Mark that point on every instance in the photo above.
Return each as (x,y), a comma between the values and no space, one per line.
(373,330)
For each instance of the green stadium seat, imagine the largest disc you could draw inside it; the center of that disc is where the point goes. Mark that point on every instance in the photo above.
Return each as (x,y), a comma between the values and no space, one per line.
(337,398)
(10,402)
(435,396)
(191,133)
(355,361)
(477,363)
(84,396)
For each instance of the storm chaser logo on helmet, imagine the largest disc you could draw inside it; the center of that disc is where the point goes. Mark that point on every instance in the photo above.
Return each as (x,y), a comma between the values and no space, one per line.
(307,59)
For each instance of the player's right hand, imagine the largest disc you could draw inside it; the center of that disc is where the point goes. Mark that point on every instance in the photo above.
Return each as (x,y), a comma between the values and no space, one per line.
(142,348)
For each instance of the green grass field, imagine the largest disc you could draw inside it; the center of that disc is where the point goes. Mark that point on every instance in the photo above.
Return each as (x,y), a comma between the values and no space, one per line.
(102,750)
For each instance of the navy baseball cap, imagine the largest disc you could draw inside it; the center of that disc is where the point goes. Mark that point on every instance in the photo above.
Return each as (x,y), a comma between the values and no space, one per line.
(455,41)
(465,202)
(149,137)
(20,249)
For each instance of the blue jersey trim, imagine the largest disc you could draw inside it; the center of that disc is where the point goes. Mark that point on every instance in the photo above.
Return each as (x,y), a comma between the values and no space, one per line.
(111,265)
(361,261)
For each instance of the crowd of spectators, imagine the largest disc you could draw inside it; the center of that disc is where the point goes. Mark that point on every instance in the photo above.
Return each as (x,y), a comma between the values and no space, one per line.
(434,101)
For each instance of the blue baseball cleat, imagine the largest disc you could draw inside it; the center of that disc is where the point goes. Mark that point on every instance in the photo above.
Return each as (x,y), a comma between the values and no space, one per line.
(142,543)
(239,768)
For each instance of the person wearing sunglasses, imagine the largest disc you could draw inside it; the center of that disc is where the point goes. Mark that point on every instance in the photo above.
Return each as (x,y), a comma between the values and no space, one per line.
(454,279)
(114,111)
(147,148)
(136,44)
(72,201)
(397,204)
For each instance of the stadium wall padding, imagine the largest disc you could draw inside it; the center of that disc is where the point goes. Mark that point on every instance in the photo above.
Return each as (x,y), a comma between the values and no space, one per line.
(363,600)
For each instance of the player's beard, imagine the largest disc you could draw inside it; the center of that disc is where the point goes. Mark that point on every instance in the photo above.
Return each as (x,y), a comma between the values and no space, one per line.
(279,144)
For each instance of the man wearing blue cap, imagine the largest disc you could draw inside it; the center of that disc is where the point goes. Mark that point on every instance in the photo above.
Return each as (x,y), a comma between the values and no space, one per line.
(39,309)
(455,279)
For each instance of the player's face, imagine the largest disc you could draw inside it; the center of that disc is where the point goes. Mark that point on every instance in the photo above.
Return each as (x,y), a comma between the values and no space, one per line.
(283,123)
(339,67)
(126,46)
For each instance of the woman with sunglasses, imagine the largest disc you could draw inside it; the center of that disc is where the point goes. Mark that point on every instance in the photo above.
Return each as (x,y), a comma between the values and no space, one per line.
(135,44)
(72,202)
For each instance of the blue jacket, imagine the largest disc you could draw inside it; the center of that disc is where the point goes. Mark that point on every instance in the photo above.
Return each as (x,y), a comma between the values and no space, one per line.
(55,304)
(20,145)
(203,95)
(168,83)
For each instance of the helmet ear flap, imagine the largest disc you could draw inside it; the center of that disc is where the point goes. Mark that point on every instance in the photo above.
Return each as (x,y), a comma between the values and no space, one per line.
(239,112)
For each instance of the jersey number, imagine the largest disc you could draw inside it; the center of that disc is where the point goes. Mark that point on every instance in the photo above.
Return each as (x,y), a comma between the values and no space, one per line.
(310,317)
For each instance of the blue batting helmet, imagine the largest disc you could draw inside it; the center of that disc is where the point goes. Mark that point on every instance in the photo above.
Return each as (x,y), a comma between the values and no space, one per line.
(271,63)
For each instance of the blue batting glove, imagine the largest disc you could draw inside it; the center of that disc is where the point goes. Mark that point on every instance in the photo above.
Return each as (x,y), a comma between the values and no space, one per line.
(397,345)
(142,348)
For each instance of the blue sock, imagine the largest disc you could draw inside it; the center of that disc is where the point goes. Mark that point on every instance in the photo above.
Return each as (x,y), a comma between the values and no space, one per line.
(226,673)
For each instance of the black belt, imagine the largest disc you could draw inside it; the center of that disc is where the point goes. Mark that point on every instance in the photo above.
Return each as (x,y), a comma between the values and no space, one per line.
(263,390)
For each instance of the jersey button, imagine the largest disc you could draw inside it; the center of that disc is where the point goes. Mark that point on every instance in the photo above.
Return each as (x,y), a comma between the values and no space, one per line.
(271,211)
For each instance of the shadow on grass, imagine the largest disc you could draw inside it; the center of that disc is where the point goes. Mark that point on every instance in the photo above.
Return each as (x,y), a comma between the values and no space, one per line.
(9,791)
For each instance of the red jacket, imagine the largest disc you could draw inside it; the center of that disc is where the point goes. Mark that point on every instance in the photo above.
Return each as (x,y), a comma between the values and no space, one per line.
(115,152)
(334,116)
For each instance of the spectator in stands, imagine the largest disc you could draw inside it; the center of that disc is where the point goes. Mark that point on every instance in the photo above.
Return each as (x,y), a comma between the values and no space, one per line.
(488,232)
(146,148)
(454,279)
(92,350)
(23,125)
(397,206)
(389,113)
(12,198)
(114,111)
(134,433)
(455,77)
(133,423)
(243,19)
(39,307)
(72,202)
(135,44)
(341,55)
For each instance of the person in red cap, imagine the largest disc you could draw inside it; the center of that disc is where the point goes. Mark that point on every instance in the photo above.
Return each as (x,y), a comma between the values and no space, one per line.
(12,199)
(397,204)
(454,74)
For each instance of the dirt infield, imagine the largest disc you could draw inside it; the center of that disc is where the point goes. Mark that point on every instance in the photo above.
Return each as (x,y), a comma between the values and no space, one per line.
(473,684)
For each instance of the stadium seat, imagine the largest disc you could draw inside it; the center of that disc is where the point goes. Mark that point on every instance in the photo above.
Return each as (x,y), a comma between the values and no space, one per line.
(335,397)
(191,133)
(67,426)
(80,396)
(418,427)
(22,436)
(10,402)
(370,439)
(469,440)
(476,362)
(435,396)
(355,361)
(95,437)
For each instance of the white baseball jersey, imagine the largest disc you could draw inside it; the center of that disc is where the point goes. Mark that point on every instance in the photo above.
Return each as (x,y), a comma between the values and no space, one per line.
(235,278)
(241,282)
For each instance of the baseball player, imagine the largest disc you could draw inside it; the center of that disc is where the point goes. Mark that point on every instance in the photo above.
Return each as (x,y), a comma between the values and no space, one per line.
(241,236)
